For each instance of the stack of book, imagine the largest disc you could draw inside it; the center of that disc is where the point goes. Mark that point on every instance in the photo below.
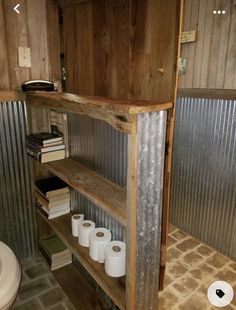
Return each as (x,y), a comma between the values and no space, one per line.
(53,197)
(55,252)
(45,146)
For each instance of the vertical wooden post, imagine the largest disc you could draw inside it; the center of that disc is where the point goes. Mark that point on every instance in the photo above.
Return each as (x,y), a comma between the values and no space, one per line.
(131,221)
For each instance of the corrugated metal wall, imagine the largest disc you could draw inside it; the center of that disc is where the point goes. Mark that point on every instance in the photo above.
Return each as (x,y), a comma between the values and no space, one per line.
(204,171)
(103,149)
(17,223)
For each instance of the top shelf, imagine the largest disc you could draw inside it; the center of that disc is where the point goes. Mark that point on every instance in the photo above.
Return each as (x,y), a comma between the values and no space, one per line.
(119,113)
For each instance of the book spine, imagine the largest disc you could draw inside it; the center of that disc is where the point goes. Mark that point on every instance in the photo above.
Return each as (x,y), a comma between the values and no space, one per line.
(33,154)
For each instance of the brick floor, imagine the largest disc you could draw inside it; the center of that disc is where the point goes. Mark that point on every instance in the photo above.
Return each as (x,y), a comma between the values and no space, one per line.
(191,268)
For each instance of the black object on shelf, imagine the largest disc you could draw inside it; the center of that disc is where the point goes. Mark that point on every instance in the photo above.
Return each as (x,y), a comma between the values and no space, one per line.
(37,85)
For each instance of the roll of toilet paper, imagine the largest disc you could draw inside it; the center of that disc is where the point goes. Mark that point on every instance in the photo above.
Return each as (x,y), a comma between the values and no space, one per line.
(98,239)
(75,220)
(115,259)
(84,229)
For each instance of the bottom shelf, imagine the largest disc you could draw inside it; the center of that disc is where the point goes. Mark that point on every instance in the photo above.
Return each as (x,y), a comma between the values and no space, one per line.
(113,287)
(71,281)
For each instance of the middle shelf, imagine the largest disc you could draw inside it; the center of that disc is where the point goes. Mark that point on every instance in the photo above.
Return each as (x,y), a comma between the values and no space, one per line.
(109,196)
(114,287)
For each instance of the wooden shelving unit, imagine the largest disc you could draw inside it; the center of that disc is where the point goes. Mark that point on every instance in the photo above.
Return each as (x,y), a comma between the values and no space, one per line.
(104,193)
(114,287)
(138,207)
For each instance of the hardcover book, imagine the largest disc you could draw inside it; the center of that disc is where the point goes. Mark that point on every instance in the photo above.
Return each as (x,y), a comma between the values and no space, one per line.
(52,186)
(44,137)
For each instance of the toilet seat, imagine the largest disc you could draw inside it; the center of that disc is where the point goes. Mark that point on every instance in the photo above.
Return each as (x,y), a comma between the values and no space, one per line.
(10,275)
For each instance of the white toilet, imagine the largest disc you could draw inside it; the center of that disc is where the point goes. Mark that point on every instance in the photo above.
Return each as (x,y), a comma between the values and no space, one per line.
(10,277)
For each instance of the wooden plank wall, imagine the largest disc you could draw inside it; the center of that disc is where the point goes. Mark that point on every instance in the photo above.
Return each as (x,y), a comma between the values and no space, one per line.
(212,58)
(36,27)
(119,48)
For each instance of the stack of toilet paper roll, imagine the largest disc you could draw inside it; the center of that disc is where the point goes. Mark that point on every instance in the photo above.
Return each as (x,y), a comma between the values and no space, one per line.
(75,220)
(101,248)
(115,259)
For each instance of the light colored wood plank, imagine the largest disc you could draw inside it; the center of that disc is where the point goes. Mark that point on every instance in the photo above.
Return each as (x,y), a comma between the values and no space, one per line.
(37,29)
(211,59)
(112,286)
(53,37)
(4,81)
(227,94)
(168,165)
(125,106)
(77,288)
(206,44)
(118,113)
(200,42)
(192,51)
(104,193)
(8,95)
(230,76)
(186,27)
(132,152)
(16,35)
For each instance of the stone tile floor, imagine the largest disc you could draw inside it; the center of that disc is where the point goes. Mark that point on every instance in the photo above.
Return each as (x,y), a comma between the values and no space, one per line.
(192,267)
(39,289)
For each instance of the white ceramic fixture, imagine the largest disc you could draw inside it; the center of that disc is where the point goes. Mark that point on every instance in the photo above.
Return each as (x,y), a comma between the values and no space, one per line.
(10,277)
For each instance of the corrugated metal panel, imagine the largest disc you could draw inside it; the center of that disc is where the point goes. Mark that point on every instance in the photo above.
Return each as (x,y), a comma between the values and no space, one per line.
(204,171)
(101,148)
(151,147)
(17,223)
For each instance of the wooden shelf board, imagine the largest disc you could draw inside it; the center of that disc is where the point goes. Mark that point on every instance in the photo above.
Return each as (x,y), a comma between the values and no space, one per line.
(114,287)
(77,288)
(70,101)
(119,113)
(104,193)
(11,95)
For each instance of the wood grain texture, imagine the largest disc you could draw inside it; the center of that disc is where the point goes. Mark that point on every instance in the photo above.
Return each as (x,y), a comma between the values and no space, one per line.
(10,95)
(53,36)
(112,286)
(131,221)
(226,94)
(104,193)
(211,59)
(125,57)
(31,28)
(4,81)
(118,113)
(125,106)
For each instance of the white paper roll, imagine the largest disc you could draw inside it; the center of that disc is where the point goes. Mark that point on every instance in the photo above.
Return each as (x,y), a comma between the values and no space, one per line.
(115,259)
(98,239)
(84,229)
(75,220)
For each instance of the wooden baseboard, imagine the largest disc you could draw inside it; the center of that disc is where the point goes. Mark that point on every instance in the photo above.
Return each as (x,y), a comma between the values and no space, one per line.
(225,94)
